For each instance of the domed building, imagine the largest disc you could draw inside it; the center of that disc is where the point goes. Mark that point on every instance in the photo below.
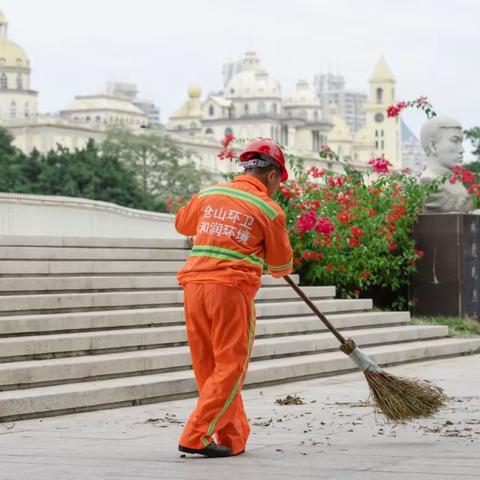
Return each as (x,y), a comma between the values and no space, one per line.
(17,100)
(104,110)
(251,106)
(189,116)
(306,119)
(87,117)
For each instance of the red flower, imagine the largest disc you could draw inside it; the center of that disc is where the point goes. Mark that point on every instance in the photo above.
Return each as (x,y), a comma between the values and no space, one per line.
(393,111)
(325,226)
(287,193)
(379,164)
(329,267)
(364,275)
(393,246)
(229,138)
(306,221)
(468,176)
(343,217)
(356,232)
(372,213)
(316,172)
(310,256)
(354,242)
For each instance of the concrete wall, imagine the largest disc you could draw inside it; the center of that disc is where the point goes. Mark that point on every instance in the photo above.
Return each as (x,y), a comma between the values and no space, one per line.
(22,214)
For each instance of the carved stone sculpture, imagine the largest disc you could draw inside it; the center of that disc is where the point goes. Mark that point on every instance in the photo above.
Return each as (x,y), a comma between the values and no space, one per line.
(442,141)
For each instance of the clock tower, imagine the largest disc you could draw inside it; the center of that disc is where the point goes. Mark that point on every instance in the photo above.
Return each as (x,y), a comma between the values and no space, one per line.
(384,132)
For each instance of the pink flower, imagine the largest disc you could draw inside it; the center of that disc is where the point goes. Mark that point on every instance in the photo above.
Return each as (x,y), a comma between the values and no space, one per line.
(325,226)
(306,221)
(379,164)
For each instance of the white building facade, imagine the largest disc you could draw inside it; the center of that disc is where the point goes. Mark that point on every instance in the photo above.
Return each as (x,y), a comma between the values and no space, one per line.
(251,105)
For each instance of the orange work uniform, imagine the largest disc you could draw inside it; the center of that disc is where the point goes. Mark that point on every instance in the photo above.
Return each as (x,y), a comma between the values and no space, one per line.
(239,230)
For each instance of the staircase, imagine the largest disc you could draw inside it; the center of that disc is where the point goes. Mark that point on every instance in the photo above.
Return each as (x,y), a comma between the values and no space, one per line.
(95,323)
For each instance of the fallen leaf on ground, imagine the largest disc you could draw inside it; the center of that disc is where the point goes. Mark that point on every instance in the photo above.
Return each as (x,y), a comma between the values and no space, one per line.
(290,400)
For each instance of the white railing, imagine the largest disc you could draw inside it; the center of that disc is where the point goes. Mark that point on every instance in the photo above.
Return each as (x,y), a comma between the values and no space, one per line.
(45,215)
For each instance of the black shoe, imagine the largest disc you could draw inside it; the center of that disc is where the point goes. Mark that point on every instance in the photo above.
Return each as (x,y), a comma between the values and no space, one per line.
(211,450)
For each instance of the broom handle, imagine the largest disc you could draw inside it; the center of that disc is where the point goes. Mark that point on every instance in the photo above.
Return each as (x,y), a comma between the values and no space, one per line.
(315,310)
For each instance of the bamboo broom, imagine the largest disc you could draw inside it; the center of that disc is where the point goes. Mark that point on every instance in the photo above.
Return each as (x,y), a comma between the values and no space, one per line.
(398,398)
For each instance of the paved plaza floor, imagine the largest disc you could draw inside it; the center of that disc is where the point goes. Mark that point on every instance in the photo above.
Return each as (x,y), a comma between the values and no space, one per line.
(334,434)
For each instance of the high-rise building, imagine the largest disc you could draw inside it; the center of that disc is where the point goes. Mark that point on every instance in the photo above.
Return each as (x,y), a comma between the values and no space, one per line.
(130,91)
(413,156)
(230,69)
(332,92)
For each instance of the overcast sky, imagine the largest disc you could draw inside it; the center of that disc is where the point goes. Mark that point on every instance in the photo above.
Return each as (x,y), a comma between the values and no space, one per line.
(75,46)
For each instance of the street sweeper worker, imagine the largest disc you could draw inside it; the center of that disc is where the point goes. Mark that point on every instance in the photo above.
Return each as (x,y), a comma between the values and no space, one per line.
(238,231)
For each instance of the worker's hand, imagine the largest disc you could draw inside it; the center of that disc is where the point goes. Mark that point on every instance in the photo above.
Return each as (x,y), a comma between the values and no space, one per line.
(190,241)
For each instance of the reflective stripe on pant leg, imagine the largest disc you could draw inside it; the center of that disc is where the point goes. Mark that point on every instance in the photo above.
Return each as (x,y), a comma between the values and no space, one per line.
(227,403)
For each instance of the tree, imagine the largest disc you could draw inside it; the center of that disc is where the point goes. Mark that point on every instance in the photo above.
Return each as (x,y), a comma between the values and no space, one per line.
(80,173)
(473,134)
(89,174)
(17,170)
(162,168)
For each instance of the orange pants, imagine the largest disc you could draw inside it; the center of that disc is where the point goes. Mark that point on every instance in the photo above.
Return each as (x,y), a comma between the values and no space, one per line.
(220,323)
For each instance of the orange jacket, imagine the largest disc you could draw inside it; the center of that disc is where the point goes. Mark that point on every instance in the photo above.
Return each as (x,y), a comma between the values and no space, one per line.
(238,231)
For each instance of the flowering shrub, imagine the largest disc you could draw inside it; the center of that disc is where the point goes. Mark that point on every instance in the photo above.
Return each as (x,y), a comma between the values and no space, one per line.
(469,180)
(174,204)
(420,103)
(353,230)
(227,153)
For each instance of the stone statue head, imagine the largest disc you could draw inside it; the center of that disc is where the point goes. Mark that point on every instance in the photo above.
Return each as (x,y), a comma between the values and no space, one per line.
(442,138)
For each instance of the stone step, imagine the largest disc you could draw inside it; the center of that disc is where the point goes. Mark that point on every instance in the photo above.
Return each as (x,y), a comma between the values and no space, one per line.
(68,344)
(96,395)
(84,253)
(98,319)
(92,242)
(93,367)
(12,304)
(87,267)
(88,283)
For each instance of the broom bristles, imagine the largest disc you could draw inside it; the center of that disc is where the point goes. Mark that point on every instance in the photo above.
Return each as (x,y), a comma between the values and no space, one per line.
(402,399)
(398,398)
